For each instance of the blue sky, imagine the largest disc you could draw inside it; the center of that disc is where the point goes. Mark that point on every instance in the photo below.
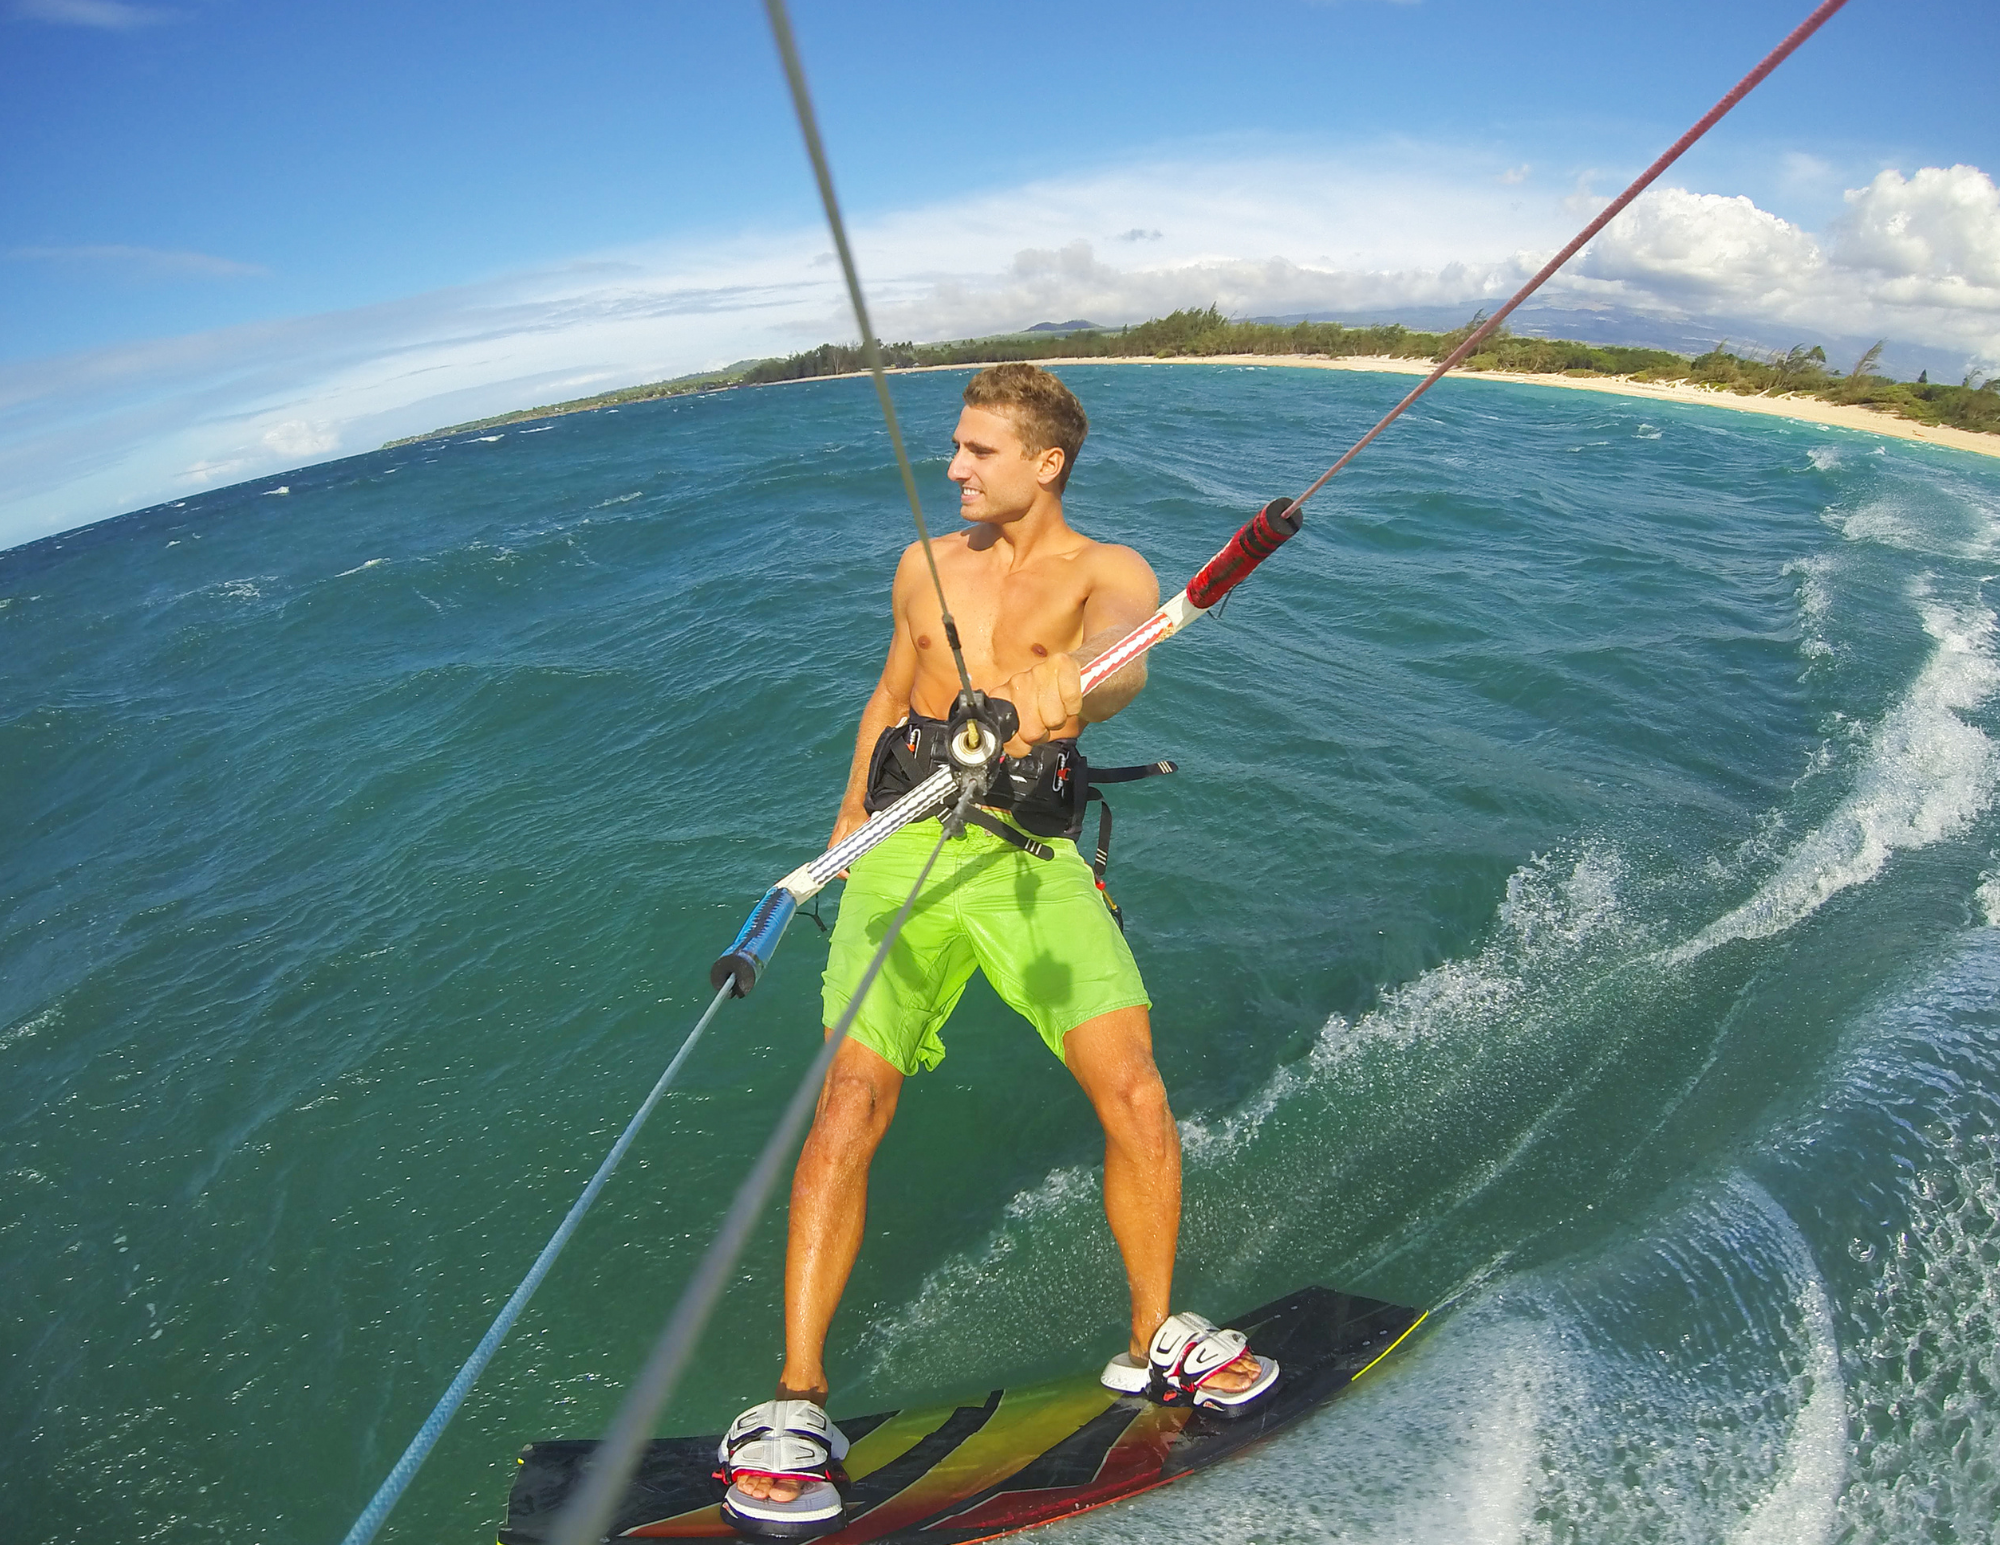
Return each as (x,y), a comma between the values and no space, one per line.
(235,239)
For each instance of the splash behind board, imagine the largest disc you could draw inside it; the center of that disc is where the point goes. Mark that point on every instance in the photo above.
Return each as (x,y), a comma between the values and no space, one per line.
(954,1474)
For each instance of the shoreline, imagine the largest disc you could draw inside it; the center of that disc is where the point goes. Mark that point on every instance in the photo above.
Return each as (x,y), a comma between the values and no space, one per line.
(1810,410)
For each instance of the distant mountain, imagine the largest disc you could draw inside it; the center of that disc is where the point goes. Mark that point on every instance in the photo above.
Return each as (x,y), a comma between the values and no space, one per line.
(1063,327)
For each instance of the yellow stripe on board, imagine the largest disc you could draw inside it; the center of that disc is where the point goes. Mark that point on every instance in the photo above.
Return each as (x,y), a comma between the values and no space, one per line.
(885,1444)
(1397,1342)
(1025,1426)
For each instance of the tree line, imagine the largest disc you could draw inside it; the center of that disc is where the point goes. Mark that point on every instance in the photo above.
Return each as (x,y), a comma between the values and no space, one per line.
(1802,370)
(1189,333)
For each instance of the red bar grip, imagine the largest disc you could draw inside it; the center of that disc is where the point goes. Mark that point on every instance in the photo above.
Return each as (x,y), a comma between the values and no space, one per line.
(1261,536)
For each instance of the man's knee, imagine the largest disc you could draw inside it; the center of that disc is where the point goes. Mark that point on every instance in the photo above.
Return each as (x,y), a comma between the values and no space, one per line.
(857,1101)
(1133,1107)
(1115,1067)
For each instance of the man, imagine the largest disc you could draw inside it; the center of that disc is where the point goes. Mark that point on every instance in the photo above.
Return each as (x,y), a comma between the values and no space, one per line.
(1033,599)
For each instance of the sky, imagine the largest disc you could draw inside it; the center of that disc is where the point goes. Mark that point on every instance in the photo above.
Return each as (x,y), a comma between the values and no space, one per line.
(237,239)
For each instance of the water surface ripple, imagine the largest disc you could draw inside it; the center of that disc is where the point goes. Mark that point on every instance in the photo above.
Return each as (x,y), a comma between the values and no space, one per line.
(1577,909)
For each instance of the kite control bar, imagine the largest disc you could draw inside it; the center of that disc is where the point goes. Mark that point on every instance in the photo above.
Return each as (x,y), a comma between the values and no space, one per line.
(1274,525)
(758,940)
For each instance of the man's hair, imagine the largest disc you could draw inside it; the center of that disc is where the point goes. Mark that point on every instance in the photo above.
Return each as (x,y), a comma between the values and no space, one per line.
(1044,411)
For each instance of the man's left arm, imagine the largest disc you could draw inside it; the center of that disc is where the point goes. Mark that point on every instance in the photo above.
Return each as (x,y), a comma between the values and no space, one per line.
(1126,596)
(1049,694)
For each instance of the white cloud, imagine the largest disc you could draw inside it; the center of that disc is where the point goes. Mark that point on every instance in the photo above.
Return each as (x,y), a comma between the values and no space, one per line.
(1940,228)
(1401,226)
(207,474)
(1914,259)
(296,439)
(1800,171)
(105,15)
(1704,248)
(1515,174)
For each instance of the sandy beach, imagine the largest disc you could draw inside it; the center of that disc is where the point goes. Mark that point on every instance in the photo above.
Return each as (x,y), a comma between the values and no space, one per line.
(1810,410)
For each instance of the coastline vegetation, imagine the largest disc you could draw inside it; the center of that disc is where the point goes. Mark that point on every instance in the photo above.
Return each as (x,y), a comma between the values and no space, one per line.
(1801,371)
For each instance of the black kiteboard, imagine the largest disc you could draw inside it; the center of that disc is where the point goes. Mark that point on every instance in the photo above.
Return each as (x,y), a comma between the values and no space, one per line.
(953,1474)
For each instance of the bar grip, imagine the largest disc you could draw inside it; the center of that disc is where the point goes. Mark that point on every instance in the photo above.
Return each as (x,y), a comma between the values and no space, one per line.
(756,944)
(1263,534)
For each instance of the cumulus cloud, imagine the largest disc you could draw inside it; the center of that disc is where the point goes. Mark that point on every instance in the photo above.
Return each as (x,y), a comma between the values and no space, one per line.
(296,438)
(1939,229)
(1917,259)
(1702,248)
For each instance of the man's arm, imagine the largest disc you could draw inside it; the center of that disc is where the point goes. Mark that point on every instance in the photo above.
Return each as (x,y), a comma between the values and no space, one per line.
(1129,595)
(886,705)
(1049,694)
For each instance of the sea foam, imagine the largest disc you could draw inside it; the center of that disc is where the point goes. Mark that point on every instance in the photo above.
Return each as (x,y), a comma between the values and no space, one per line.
(1926,776)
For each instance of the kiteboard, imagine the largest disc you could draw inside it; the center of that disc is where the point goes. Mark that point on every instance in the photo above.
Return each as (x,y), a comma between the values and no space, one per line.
(951,1474)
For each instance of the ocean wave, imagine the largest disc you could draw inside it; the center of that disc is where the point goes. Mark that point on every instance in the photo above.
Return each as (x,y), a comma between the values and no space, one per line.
(1051,1246)
(1925,777)
(1561,1406)
(1909,1122)
(1803,1500)
(1927,1412)
(1553,911)
(1815,598)
(30,1027)
(1988,897)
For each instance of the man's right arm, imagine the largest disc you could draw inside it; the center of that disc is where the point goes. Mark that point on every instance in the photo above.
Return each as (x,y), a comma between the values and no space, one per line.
(888,704)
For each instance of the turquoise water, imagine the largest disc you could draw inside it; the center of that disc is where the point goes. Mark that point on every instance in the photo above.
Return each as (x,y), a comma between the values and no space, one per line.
(1576,910)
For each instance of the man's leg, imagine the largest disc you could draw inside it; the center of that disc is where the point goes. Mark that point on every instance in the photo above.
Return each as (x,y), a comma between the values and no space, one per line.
(829,1208)
(1112,1058)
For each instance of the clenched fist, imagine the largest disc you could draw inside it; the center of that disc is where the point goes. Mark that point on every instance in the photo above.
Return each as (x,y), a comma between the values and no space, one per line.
(1047,696)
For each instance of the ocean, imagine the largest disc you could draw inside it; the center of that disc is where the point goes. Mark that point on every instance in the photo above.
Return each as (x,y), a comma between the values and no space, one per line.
(1576,911)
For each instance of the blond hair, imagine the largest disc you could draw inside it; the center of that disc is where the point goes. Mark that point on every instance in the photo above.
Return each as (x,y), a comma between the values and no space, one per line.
(1044,411)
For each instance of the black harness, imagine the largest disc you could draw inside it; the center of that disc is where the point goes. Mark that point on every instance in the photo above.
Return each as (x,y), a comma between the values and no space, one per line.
(1045,791)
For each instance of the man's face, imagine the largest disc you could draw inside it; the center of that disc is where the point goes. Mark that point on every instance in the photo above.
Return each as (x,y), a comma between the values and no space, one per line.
(997,477)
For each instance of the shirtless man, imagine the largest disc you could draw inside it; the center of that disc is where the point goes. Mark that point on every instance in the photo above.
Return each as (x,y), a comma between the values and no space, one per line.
(1033,600)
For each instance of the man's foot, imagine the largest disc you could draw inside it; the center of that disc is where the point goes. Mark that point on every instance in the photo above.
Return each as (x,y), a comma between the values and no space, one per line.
(1191,1362)
(777,1460)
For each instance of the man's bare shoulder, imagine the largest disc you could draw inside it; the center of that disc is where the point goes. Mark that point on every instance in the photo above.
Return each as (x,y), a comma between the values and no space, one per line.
(1120,570)
(1115,558)
(911,566)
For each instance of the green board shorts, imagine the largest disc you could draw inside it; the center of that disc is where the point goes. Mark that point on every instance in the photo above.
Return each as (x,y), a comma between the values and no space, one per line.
(1038,928)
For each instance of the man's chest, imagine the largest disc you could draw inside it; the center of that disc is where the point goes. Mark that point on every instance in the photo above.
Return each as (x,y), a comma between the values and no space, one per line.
(1005,621)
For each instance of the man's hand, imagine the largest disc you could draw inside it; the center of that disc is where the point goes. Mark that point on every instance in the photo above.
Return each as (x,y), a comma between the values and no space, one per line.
(1047,695)
(851,818)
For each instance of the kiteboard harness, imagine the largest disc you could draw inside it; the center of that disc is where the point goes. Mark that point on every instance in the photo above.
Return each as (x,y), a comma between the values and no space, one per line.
(1047,792)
